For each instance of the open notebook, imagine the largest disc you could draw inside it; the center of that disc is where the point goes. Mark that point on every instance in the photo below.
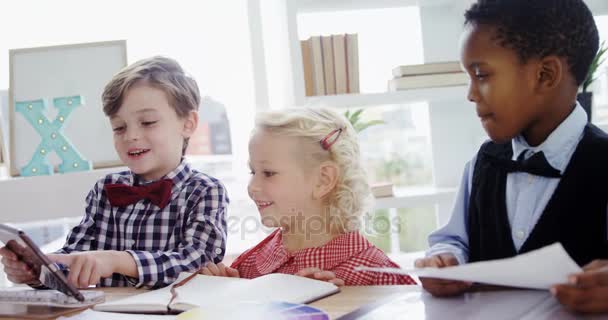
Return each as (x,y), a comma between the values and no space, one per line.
(203,291)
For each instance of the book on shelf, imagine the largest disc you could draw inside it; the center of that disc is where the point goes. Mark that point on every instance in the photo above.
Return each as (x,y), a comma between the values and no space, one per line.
(318,75)
(352,62)
(382,189)
(206,291)
(307,67)
(427,68)
(340,72)
(328,64)
(428,81)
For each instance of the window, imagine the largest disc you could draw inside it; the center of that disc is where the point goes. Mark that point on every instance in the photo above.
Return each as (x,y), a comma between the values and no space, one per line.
(398,151)
(211,40)
(401,230)
(600,87)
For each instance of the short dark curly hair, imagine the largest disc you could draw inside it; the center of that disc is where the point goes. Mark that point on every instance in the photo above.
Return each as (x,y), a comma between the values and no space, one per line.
(540,28)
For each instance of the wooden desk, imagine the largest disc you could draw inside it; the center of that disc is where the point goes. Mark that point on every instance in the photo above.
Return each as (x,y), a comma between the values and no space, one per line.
(337,305)
(352,298)
(410,302)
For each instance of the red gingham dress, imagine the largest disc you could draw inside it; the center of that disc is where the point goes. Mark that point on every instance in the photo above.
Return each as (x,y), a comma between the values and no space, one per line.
(340,255)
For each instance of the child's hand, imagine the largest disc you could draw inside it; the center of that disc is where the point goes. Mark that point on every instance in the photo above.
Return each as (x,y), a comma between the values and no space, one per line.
(219,270)
(87,268)
(318,274)
(586,291)
(16,270)
(441,287)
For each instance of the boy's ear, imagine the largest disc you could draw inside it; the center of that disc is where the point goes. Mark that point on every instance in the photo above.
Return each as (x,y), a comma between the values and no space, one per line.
(190,124)
(550,72)
(327,180)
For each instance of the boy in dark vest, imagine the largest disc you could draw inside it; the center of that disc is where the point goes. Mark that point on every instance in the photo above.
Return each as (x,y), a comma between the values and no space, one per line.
(541,178)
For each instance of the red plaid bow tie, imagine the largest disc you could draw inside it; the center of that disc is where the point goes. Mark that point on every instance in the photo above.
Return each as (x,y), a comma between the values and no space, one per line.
(158,193)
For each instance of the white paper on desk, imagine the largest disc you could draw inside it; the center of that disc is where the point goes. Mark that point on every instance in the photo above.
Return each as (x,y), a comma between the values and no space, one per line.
(538,269)
(99,315)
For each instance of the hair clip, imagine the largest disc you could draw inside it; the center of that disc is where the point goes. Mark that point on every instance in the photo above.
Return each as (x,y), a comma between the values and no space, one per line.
(326,143)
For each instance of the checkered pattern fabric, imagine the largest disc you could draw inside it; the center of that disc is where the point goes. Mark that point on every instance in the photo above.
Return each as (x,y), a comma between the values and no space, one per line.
(188,232)
(341,255)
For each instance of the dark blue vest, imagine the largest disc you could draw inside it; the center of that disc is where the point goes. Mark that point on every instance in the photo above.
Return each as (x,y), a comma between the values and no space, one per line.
(575,215)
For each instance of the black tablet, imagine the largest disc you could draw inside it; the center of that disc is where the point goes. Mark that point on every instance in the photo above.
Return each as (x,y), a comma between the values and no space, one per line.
(49,273)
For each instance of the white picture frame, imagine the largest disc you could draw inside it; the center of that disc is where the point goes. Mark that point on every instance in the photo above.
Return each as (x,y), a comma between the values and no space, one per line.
(61,71)
(3,126)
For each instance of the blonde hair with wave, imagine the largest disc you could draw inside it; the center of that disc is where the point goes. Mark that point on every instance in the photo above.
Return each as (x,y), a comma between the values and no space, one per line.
(351,197)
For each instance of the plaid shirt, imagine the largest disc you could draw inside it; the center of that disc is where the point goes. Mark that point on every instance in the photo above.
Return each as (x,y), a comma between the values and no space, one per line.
(340,255)
(188,232)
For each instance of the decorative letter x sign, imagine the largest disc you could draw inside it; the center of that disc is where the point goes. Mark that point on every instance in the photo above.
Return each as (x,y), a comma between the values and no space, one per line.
(52,136)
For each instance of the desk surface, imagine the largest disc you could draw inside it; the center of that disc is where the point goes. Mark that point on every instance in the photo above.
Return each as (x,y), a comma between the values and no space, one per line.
(347,300)
(410,302)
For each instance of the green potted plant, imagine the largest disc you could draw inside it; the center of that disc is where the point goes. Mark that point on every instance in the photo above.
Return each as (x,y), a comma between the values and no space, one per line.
(355,119)
(378,189)
(585,97)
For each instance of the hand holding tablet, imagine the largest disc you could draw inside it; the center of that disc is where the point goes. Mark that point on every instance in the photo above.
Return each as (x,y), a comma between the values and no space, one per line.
(47,272)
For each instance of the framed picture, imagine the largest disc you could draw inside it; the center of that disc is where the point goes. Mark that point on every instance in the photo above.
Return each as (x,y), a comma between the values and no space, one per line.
(212,137)
(3,125)
(44,82)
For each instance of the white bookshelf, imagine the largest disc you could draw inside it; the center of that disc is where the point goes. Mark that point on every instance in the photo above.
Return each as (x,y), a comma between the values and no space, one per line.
(416,197)
(278,64)
(455,130)
(442,20)
(385,98)
(213,158)
(306,6)
(274,25)
(27,199)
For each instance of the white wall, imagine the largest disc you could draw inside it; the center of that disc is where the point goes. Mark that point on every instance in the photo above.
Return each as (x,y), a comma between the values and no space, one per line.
(47,197)
(455,128)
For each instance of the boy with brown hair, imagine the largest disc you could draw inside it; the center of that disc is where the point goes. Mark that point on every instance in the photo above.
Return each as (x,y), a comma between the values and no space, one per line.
(144,226)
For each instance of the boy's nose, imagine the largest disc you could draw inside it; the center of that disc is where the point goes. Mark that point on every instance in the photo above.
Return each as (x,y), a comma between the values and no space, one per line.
(472,94)
(132,134)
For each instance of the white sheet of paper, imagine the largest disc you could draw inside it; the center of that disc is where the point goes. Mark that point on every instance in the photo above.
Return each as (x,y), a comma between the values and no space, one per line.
(538,269)
(99,315)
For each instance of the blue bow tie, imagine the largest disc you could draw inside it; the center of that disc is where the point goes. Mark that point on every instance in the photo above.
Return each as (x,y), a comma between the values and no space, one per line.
(537,164)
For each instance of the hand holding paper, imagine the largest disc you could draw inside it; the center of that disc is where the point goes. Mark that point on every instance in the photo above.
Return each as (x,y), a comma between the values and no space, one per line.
(586,291)
(539,269)
(441,287)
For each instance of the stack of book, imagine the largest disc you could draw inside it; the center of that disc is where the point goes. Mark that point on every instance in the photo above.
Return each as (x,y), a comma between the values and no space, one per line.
(428,75)
(382,189)
(331,64)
